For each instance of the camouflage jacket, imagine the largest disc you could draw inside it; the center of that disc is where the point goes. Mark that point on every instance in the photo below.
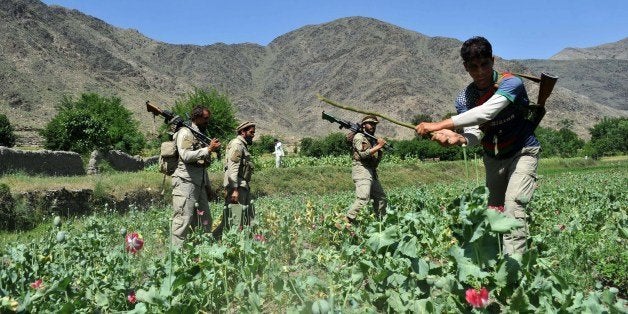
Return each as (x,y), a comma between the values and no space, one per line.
(238,164)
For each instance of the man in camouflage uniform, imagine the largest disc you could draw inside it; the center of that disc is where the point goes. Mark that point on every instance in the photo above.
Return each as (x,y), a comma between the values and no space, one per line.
(367,153)
(238,169)
(190,183)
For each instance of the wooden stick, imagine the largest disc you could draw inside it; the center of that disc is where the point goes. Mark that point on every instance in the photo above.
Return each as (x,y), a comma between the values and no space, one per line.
(335,104)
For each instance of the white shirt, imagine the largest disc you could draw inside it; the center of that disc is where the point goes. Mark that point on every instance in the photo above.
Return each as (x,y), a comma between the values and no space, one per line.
(278,150)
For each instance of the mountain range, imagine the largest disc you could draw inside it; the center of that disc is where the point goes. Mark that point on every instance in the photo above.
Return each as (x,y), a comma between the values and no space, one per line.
(48,52)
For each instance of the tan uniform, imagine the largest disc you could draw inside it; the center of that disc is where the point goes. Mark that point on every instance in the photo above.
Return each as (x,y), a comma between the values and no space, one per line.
(189,186)
(512,181)
(238,171)
(364,174)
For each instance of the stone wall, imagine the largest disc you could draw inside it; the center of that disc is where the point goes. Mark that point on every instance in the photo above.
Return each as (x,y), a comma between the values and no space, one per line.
(80,202)
(45,162)
(62,163)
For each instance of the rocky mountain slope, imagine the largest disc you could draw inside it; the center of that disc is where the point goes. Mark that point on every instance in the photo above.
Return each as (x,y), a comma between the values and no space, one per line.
(599,73)
(48,52)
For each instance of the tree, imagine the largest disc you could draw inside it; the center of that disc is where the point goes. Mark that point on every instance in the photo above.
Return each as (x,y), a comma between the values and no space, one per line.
(563,143)
(609,137)
(334,144)
(223,123)
(7,137)
(93,122)
(265,144)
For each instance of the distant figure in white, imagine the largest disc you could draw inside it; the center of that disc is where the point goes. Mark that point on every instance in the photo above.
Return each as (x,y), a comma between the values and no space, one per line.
(278,153)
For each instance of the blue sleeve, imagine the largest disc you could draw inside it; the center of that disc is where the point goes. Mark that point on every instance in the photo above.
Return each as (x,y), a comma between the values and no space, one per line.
(510,88)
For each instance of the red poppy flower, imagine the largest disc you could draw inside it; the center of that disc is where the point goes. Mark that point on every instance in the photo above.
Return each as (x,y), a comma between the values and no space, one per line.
(131,297)
(37,284)
(477,298)
(133,242)
(497,208)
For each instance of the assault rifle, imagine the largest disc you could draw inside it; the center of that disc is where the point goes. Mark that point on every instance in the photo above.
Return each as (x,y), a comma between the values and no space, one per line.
(171,119)
(353,127)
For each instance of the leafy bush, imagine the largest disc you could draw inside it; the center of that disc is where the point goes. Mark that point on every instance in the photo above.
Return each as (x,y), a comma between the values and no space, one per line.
(334,144)
(563,143)
(609,137)
(6,208)
(222,124)
(93,122)
(7,138)
(424,149)
(265,144)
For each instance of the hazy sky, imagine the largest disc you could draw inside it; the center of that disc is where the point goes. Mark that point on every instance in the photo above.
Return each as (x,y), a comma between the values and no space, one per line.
(535,29)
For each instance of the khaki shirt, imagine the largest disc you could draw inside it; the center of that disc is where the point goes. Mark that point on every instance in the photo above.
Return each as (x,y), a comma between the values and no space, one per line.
(238,164)
(193,157)
(362,152)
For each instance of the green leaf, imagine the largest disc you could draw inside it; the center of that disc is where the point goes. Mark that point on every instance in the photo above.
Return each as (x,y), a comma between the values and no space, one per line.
(477,233)
(394,301)
(151,296)
(421,306)
(140,308)
(500,222)
(519,302)
(421,267)
(465,266)
(409,248)
(101,300)
(382,239)
(396,280)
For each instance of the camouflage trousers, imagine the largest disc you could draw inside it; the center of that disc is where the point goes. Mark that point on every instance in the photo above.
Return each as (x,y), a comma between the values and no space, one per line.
(367,187)
(191,209)
(511,182)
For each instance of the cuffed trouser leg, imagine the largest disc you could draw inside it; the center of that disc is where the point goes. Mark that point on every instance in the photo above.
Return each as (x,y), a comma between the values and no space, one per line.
(362,196)
(380,200)
(186,215)
(511,182)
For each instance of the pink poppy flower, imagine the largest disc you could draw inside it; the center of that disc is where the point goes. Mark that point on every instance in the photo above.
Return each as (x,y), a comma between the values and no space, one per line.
(477,298)
(205,222)
(131,297)
(200,212)
(133,242)
(260,238)
(37,284)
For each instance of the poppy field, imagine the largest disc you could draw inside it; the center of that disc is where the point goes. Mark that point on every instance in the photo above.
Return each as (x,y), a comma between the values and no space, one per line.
(436,251)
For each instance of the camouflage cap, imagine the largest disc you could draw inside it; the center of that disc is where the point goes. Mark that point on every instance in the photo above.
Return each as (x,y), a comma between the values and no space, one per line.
(244,125)
(370,118)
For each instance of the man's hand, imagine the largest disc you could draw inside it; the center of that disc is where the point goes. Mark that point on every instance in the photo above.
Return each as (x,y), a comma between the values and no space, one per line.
(381,142)
(429,127)
(425,128)
(213,145)
(448,138)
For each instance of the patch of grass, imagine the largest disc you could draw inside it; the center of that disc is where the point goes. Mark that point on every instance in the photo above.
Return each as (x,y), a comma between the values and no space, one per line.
(310,179)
